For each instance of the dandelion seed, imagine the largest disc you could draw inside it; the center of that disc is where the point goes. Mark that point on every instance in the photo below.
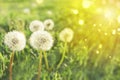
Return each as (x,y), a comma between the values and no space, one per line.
(41,40)
(66,35)
(36,25)
(49,24)
(15,40)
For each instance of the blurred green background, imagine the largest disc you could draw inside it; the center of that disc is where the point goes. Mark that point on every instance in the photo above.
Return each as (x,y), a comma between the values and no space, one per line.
(93,54)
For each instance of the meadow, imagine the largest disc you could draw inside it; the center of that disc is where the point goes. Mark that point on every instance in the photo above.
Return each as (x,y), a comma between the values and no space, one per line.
(92,53)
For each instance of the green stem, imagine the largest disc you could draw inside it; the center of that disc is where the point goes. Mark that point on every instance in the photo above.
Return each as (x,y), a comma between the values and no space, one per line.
(40,65)
(10,65)
(46,60)
(63,56)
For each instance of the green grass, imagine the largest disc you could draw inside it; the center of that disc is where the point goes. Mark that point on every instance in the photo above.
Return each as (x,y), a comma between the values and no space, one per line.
(84,60)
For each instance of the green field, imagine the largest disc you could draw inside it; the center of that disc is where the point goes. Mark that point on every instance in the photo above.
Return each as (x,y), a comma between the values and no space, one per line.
(93,53)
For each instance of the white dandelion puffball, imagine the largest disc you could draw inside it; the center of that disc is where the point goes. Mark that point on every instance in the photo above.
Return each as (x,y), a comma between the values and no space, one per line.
(66,35)
(49,24)
(41,40)
(15,40)
(36,25)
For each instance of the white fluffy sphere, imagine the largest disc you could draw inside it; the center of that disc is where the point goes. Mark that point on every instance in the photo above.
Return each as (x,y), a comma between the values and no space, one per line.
(49,24)
(15,40)
(41,40)
(66,35)
(36,25)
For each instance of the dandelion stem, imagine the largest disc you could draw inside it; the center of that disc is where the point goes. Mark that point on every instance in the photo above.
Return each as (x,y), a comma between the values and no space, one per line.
(63,56)
(40,65)
(10,66)
(46,60)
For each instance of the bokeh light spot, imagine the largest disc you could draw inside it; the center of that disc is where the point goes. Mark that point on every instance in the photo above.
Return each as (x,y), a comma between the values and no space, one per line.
(81,22)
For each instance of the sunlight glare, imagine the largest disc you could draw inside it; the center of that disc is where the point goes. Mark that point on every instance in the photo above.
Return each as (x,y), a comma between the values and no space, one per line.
(108,14)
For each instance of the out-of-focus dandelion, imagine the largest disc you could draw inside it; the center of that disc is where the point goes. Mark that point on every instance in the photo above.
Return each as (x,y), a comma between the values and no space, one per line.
(49,12)
(36,25)
(66,35)
(16,42)
(49,24)
(41,40)
(39,1)
(34,5)
(26,10)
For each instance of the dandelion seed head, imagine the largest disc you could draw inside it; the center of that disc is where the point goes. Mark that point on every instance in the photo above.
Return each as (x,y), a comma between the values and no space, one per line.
(15,40)
(66,35)
(36,25)
(49,24)
(41,40)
